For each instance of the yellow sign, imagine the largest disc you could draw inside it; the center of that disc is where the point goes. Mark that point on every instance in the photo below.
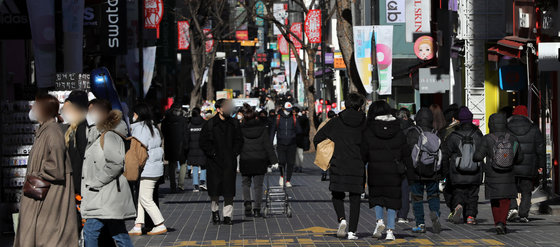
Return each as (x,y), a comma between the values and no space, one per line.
(339,61)
(260,67)
(248,43)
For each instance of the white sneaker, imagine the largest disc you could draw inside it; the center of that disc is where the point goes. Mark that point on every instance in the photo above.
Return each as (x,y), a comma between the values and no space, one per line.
(390,235)
(352,236)
(288,184)
(281,181)
(135,231)
(341,232)
(161,229)
(379,227)
(512,214)
(402,221)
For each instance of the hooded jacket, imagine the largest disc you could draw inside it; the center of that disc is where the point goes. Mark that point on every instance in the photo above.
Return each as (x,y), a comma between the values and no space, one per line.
(451,151)
(195,155)
(383,143)
(105,191)
(154,165)
(285,128)
(257,152)
(532,145)
(173,128)
(347,170)
(499,184)
(424,119)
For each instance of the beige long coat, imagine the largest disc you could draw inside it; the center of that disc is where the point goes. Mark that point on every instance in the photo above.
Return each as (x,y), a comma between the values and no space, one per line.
(51,222)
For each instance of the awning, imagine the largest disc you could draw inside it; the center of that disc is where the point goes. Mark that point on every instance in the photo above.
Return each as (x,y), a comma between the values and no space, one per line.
(510,46)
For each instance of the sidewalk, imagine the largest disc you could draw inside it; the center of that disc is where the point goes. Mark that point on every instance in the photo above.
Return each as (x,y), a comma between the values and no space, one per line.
(187,215)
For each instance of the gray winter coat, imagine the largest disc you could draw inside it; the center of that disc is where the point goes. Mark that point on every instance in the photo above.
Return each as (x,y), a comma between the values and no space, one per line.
(105,191)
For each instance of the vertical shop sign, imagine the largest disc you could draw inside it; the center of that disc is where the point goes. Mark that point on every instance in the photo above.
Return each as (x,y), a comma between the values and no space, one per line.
(260,10)
(153,13)
(418,14)
(296,29)
(395,11)
(183,35)
(313,26)
(384,48)
(210,42)
(113,28)
(280,14)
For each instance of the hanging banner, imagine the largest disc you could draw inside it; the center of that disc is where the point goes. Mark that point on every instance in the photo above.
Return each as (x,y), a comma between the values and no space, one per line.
(362,51)
(209,43)
(261,37)
(280,14)
(41,19)
(283,45)
(183,35)
(418,14)
(549,56)
(73,28)
(395,10)
(313,26)
(296,29)
(113,28)
(362,54)
(260,10)
(149,60)
(384,48)
(153,13)
(14,20)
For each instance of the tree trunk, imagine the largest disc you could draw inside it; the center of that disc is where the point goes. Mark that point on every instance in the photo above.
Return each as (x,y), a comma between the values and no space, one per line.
(209,85)
(345,36)
(310,83)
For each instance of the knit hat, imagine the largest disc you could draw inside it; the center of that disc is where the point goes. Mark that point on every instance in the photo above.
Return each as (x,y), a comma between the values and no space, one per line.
(78,99)
(521,110)
(465,115)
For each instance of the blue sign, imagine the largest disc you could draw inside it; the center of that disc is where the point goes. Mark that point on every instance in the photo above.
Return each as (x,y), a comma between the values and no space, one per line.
(513,77)
(260,8)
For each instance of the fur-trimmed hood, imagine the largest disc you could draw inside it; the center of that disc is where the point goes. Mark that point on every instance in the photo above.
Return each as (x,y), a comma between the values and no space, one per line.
(113,122)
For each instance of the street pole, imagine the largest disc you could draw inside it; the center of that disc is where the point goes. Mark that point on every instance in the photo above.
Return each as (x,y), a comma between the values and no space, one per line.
(323,88)
(374,79)
(141,48)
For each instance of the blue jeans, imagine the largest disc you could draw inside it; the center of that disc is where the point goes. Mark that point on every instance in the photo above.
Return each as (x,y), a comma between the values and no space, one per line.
(195,179)
(116,228)
(432,193)
(391,215)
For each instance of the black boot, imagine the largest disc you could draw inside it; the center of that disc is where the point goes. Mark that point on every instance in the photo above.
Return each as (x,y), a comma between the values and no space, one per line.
(216,218)
(257,213)
(501,228)
(248,209)
(324,177)
(227,221)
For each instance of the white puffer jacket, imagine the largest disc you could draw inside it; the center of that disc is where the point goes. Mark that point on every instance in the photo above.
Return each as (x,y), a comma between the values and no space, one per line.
(154,164)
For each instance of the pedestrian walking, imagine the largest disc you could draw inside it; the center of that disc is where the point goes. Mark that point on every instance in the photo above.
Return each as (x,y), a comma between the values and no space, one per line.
(144,130)
(451,115)
(173,128)
(107,199)
(256,156)
(534,161)
(347,170)
(424,169)
(286,128)
(384,149)
(407,125)
(48,163)
(195,156)
(302,139)
(502,153)
(465,175)
(221,140)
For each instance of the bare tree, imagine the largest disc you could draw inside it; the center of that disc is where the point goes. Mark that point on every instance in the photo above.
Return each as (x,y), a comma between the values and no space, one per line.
(200,14)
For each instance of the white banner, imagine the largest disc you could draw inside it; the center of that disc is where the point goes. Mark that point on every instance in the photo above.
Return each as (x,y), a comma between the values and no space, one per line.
(395,11)
(362,54)
(384,48)
(149,60)
(418,13)
(41,20)
(280,14)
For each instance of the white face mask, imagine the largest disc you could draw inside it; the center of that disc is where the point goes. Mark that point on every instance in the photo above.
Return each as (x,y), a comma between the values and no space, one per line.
(299,114)
(239,117)
(134,119)
(32,115)
(91,119)
(286,112)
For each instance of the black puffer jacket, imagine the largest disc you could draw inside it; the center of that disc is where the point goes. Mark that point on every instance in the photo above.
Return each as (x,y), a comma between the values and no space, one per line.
(302,139)
(424,119)
(451,151)
(257,152)
(383,143)
(195,156)
(347,169)
(499,184)
(532,146)
(173,128)
(286,128)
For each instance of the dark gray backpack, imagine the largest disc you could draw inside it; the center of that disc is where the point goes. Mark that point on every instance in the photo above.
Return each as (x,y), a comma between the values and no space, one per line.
(464,162)
(503,152)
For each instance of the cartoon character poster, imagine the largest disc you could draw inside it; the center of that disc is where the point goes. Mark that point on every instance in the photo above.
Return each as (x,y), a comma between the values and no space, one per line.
(424,47)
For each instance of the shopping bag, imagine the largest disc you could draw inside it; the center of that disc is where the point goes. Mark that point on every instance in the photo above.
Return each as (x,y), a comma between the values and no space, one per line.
(324,153)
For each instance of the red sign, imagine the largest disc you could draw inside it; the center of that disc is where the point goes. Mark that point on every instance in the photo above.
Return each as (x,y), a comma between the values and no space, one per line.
(210,42)
(296,29)
(153,12)
(183,35)
(313,26)
(283,45)
(242,35)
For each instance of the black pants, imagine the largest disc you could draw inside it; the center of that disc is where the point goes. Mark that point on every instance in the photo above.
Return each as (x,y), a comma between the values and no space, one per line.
(405,207)
(448,195)
(171,171)
(287,159)
(467,196)
(525,187)
(338,203)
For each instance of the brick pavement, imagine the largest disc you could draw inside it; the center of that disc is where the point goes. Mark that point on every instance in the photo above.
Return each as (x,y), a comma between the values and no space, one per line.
(187,215)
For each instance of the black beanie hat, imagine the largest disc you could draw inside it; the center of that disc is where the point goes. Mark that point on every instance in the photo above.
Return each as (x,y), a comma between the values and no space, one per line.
(79,99)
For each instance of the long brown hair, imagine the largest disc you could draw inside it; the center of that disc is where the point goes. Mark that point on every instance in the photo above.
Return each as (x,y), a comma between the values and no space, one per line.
(439,119)
(48,105)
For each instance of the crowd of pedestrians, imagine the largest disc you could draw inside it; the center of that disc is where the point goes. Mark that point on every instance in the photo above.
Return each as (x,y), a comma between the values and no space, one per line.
(86,164)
